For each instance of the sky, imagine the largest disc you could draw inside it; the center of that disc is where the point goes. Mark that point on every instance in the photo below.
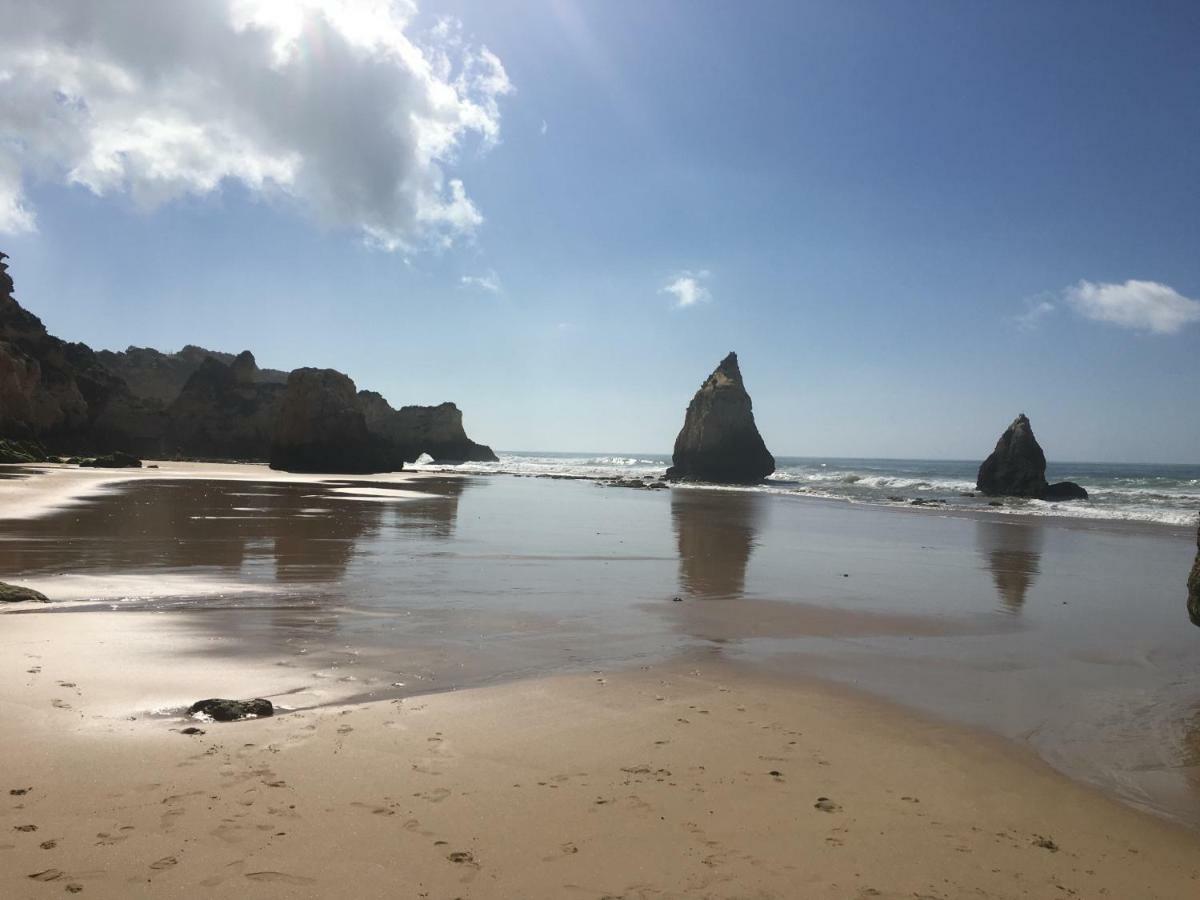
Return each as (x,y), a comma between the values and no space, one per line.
(912,221)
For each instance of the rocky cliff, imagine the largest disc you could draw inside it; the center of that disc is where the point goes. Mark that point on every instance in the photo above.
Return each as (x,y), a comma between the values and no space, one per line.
(436,430)
(1017,468)
(225,411)
(719,441)
(1193,584)
(60,397)
(59,392)
(321,428)
(161,377)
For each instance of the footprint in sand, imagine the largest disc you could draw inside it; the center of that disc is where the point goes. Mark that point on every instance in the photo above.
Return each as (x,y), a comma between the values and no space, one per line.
(281,878)
(824,804)
(25,828)
(165,863)
(60,704)
(47,875)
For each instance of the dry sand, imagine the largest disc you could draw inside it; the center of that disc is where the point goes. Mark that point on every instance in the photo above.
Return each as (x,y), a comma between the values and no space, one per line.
(695,780)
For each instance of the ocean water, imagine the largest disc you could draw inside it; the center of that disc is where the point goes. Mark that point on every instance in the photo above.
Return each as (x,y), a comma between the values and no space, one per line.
(1162,494)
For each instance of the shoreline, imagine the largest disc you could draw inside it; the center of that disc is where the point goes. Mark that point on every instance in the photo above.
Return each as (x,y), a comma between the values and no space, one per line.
(651,781)
(31,496)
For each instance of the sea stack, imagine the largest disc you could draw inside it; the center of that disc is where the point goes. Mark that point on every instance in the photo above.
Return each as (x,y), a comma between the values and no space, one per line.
(1193,606)
(321,428)
(719,441)
(1017,468)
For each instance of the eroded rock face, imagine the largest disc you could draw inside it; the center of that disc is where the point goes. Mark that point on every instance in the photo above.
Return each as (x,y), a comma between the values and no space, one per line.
(226,411)
(436,430)
(321,428)
(161,377)
(1017,468)
(719,441)
(1193,584)
(59,392)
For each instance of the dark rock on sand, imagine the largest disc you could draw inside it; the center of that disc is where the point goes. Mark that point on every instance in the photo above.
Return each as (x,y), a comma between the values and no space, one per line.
(14,593)
(321,428)
(22,452)
(232,710)
(436,430)
(1193,584)
(719,441)
(1017,468)
(115,460)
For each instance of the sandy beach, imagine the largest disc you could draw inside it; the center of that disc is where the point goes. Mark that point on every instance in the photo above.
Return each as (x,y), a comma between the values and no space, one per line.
(694,779)
(432,745)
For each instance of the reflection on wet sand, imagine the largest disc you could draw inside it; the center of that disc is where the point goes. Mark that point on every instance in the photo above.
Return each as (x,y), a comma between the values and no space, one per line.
(307,532)
(1013,554)
(716,533)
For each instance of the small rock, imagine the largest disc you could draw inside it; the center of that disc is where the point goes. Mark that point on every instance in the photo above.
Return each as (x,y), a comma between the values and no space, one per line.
(1045,843)
(231,710)
(14,593)
(676,599)
(461,856)
(824,804)
(192,730)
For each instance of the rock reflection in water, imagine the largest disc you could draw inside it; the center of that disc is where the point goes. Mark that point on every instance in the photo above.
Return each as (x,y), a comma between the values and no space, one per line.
(1012,551)
(716,532)
(301,531)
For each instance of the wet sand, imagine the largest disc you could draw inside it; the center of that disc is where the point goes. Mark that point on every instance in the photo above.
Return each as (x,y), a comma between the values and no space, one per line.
(1065,638)
(698,779)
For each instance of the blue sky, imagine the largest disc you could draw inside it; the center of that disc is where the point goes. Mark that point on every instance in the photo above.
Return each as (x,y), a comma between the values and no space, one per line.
(886,209)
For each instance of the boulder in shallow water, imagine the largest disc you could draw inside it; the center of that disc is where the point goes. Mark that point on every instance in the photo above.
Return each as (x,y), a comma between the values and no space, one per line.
(231,710)
(719,441)
(14,593)
(1064,490)
(1017,468)
(1193,583)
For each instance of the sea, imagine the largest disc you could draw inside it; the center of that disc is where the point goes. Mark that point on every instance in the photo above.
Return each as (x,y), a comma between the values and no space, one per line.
(1134,492)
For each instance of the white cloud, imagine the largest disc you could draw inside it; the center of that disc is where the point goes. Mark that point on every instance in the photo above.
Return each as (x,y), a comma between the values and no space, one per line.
(545,127)
(489,282)
(1036,309)
(688,288)
(1140,305)
(335,105)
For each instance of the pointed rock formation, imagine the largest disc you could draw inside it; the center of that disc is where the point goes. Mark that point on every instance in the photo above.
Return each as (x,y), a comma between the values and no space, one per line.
(1017,468)
(1193,583)
(321,428)
(719,441)
(436,430)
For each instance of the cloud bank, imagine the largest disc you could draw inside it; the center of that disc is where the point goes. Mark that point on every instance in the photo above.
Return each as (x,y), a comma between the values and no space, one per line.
(688,288)
(333,105)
